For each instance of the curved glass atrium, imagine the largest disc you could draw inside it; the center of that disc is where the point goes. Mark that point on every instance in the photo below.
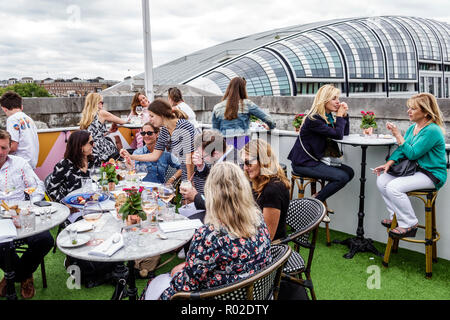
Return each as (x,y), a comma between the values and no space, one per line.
(381,56)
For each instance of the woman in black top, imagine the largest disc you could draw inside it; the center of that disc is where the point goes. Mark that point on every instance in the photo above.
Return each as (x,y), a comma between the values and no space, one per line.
(270,185)
(67,174)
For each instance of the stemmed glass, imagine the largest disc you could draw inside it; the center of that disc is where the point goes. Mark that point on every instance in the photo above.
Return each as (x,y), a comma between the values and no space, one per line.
(30,191)
(139,111)
(149,205)
(91,213)
(122,171)
(141,171)
(166,193)
(94,172)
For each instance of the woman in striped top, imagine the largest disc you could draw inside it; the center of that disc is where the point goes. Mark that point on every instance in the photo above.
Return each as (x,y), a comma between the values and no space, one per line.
(176,134)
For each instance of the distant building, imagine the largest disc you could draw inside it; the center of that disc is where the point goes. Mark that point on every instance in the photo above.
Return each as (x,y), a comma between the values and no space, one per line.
(75,87)
(27,80)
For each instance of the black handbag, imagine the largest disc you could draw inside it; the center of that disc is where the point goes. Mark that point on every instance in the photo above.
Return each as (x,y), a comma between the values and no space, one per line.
(403,168)
(332,149)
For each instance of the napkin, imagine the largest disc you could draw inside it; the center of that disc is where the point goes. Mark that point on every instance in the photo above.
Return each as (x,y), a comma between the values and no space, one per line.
(179,225)
(8,231)
(188,210)
(110,247)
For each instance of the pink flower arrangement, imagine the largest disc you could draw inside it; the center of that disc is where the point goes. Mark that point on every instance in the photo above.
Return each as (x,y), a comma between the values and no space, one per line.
(298,119)
(368,120)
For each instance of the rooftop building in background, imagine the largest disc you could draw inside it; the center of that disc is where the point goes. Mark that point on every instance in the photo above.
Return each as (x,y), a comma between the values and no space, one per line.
(385,56)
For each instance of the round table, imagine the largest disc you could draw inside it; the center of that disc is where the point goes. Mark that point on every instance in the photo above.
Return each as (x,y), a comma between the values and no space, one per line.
(359,243)
(150,245)
(59,216)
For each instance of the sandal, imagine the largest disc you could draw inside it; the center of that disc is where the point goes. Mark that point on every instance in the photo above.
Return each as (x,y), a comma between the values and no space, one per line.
(386,223)
(397,233)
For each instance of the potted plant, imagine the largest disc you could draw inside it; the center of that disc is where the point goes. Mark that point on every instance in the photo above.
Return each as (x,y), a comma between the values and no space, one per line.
(298,120)
(368,123)
(131,210)
(108,174)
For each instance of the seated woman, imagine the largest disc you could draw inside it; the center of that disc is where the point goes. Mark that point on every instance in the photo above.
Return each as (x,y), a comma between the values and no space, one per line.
(270,185)
(232,245)
(93,119)
(309,148)
(424,143)
(156,170)
(68,172)
(139,99)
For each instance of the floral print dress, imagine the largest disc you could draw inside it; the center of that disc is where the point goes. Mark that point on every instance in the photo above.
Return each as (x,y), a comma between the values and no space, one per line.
(104,147)
(216,258)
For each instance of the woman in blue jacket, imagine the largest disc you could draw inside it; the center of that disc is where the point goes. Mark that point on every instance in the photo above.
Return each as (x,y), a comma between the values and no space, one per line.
(310,146)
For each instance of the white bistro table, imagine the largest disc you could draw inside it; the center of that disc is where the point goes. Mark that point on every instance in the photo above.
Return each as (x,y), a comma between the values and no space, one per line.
(359,243)
(57,217)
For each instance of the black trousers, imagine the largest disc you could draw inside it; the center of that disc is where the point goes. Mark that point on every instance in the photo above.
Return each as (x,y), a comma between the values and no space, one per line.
(38,247)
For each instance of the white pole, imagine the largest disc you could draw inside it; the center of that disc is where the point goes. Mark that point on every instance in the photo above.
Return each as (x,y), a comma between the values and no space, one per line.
(148,80)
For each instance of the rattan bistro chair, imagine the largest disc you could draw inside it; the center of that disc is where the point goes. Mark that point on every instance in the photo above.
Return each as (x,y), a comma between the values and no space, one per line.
(263,285)
(303,217)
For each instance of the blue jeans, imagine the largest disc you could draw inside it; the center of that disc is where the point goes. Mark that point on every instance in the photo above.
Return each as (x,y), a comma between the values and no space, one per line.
(336,177)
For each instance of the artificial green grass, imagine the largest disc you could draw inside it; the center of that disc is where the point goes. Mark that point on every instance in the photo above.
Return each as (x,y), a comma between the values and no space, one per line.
(334,277)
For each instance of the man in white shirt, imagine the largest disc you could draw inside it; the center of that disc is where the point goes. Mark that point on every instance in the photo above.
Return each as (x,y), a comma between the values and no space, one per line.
(23,131)
(15,176)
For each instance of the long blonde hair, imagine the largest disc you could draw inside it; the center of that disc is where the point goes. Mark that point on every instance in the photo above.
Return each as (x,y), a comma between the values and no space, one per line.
(90,110)
(428,104)
(325,94)
(229,201)
(268,162)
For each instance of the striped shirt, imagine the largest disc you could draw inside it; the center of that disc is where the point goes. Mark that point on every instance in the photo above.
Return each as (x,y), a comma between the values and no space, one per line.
(180,143)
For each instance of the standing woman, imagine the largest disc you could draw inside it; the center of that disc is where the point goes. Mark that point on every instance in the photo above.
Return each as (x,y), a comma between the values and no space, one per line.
(232,116)
(139,99)
(93,119)
(270,185)
(176,134)
(310,146)
(424,143)
(176,101)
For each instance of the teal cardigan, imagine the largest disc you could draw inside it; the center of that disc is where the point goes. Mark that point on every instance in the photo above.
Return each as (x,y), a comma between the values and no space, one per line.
(428,148)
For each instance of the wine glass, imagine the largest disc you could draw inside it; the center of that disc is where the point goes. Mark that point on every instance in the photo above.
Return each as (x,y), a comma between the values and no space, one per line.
(91,213)
(166,193)
(94,172)
(141,171)
(149,205)
(122,169)
(139,111)
(30,191)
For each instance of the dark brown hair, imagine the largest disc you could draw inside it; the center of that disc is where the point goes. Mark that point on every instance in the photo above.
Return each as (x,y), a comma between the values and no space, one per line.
(5,135)
(77,140)
(155,129)
(163,109)
(11,100)
(135,102)
(175,94)
(236,92)
(210,141)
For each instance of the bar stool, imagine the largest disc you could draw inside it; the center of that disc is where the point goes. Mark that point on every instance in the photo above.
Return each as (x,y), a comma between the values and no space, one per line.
(302,182)
(431,234)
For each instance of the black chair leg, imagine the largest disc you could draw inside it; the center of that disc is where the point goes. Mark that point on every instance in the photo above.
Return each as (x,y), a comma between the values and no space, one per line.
(44,275)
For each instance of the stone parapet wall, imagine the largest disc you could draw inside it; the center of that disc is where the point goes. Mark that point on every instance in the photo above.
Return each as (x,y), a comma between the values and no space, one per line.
(66,112)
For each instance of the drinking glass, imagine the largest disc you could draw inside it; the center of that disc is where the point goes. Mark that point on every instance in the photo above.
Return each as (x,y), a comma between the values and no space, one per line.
(141,171)
(30,191)
(166,193)
(94,172)
(122,170)
(139,111)
(86,184)
(92,213)
(185,186)
(149,205)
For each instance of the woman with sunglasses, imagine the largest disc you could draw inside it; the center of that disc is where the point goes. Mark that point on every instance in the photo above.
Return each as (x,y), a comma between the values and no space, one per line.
(94,119)
(176,134)
(139,99)
(270,185)
(156,170)
(67,174)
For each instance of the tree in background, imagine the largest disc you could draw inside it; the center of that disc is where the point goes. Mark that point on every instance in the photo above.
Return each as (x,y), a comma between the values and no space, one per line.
(27,90)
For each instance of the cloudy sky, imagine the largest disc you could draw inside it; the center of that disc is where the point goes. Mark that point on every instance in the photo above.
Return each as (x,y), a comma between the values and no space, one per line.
(86,39)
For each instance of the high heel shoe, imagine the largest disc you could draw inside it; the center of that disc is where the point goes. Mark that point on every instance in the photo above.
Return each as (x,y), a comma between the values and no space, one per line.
(408,232)
(386,223)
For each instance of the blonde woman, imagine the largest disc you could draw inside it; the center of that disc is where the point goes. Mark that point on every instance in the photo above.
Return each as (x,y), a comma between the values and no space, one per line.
(270,185)
(232,116)
(424,143)
(233,244)
(310,146)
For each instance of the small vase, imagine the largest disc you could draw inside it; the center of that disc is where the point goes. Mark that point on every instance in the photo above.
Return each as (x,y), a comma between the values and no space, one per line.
(111,186)
(297,129)
(368,131)
(133,219)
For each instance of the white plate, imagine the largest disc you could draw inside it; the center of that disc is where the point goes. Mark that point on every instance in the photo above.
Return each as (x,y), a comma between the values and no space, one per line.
(39,211)
(81,226)
(5,215)
(81,240)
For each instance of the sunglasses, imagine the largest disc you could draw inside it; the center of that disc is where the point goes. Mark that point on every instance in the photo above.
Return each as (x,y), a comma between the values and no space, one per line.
(250,162)
(149,133)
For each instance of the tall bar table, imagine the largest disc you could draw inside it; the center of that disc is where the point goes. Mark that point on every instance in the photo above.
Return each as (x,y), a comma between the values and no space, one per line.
(359,243)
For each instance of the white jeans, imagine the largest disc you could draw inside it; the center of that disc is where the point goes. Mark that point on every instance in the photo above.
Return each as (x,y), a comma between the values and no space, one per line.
(393,190)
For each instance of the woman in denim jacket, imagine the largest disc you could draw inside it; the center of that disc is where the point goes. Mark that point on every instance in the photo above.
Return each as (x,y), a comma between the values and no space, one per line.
(232,116)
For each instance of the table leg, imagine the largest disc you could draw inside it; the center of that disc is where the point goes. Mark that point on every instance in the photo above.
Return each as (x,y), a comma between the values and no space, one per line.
(359,243)
(132,290)
(120,275)
(10,274)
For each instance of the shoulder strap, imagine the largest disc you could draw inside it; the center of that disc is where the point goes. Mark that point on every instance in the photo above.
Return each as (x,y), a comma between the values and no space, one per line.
(315,159)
